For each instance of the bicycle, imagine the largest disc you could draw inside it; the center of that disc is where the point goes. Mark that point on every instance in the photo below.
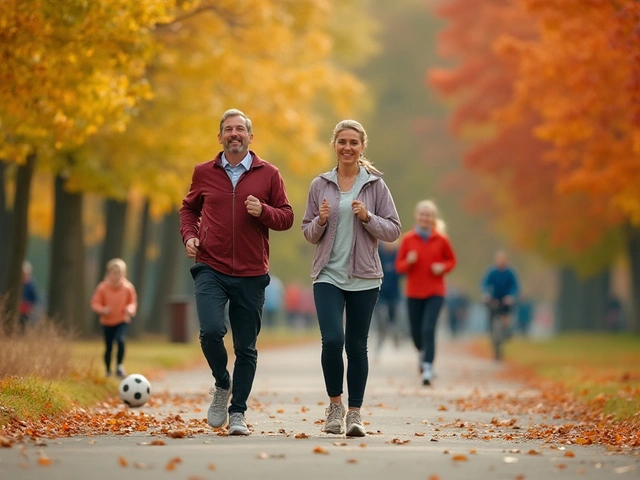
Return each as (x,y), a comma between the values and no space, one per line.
(499,323)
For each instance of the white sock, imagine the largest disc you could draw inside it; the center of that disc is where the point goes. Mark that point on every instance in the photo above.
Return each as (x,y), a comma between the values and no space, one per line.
(426,370)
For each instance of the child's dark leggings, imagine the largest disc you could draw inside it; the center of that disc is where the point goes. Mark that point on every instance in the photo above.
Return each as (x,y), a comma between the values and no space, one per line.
(117,333)
(351,335)
(423,314)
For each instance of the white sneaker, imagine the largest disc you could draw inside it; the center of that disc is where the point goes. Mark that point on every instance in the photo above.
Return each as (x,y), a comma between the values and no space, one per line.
(427,373)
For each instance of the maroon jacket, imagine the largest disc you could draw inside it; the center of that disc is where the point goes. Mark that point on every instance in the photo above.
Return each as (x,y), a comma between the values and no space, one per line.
(232,241)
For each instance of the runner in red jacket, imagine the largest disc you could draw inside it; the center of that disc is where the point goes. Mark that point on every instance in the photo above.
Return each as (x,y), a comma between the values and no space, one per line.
(425,256)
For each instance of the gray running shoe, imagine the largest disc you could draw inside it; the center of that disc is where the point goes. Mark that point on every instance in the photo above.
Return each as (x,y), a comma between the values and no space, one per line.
(335,418)
(237,425)
(217,414)
(355,427)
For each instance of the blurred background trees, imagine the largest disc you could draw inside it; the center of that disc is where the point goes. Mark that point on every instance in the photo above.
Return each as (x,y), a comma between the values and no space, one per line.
(520,118)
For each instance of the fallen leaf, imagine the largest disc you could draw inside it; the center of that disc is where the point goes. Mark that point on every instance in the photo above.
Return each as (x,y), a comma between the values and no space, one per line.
(397,441)
(442,408)
(281,410)
(211,466)
(419,434)
(44,461)
(352,460)
(569,453)
(301,435)
(533,452)
(4,442)
(141,465)
(123,462)
(459,458)
(434,477)
(262,456)
(157,442)
(320,450)
(510,460)
(340,444)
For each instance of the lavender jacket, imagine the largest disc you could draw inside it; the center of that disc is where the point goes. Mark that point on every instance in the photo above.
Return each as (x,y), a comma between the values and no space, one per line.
(383,225)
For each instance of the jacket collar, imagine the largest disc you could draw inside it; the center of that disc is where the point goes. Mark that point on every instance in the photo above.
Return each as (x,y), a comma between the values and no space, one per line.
(332,175)
(257,161)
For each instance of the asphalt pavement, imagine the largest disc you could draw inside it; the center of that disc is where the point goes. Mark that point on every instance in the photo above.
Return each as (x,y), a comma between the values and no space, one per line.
(414,432)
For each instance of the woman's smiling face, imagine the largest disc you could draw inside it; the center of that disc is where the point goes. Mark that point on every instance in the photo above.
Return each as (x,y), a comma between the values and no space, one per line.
(348,147)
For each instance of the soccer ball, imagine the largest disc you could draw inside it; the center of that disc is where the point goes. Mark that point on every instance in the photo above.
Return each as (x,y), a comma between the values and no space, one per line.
(135,390)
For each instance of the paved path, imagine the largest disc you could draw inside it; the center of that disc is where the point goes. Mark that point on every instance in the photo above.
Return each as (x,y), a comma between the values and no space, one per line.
(416,432)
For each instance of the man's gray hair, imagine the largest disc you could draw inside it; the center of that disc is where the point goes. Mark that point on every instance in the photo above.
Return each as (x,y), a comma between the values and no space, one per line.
(236,113)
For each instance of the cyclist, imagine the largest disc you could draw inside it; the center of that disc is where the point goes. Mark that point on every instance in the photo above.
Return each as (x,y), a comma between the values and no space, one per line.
(499,291)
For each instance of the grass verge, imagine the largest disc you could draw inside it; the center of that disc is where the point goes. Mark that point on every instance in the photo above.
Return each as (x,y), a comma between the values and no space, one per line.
(29,391)
(602,369)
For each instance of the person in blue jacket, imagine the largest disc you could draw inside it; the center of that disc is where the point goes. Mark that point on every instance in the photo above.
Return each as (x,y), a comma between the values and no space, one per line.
(500,289)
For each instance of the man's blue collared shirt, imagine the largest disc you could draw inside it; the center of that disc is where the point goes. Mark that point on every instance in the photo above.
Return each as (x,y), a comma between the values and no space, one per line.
(235,172)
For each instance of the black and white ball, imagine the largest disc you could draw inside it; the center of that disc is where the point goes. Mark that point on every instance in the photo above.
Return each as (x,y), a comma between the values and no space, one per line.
(135,390)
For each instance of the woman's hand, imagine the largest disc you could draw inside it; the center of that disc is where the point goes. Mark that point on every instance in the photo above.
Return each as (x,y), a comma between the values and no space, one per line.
(412,257)
(437,268)
(360,210)
(325,210)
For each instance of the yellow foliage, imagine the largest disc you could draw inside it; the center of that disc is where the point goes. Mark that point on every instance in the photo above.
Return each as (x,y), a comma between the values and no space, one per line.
(70,67)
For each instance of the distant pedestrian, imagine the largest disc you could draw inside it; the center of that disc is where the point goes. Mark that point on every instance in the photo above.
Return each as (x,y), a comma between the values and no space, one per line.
(425,256)
(116,302)
(293,305)
(29,298)
(273,297)
(233,202)
(386,311)
(349,209)
(457,309)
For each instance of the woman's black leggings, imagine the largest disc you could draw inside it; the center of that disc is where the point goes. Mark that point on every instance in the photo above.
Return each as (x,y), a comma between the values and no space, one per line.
(350,335)
(423,314)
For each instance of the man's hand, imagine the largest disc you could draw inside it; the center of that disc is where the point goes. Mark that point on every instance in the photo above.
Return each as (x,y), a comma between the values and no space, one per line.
(325,210)
(254,207)
(508,300)
(192,247)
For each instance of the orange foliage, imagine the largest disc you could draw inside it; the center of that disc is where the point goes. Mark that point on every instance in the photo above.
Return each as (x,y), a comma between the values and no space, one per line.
(581,78)
(521,186)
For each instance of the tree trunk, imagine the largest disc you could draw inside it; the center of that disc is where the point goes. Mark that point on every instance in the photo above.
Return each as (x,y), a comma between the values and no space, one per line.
(19,240)
(633,251)
(582,303)
(139,267)
(568,300)
(67,273)
(113,246)
(166,273)
(5,225)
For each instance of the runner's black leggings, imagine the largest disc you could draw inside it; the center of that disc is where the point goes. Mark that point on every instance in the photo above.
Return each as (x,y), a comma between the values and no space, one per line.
(350,335)
(423,314)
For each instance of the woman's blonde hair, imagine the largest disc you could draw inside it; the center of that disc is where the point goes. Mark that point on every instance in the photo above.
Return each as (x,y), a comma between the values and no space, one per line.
(440,226)
(117,263)
(354,125)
